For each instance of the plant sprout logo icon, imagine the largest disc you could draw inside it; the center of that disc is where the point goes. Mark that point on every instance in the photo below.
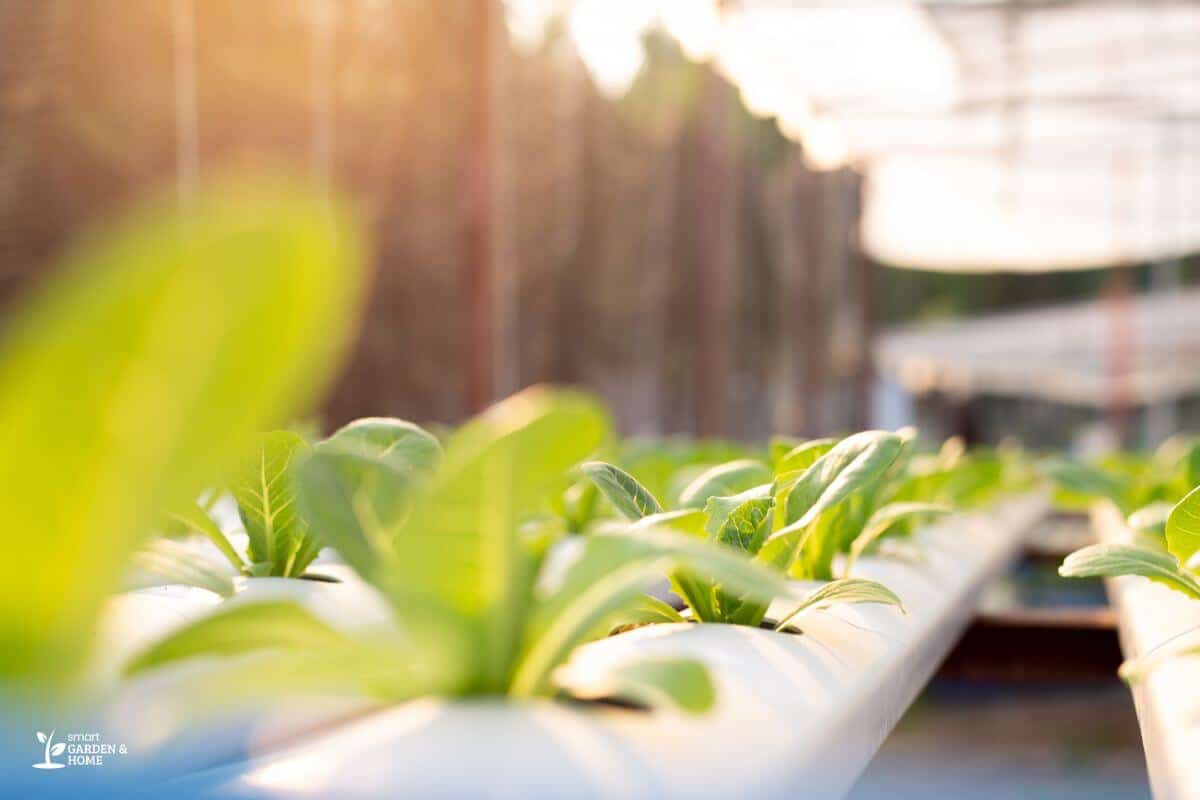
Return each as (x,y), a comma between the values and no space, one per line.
(51,750)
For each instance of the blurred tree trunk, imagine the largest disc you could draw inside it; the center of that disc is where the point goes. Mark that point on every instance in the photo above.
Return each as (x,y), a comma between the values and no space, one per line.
(570,312)
(479,275)
(715,229)
(780,218)
(648,347)
(867,307)
(810,286)
(33,39)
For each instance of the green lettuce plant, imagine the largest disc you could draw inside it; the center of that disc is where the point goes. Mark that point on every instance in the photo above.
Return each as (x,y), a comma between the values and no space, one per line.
(778,523)
(129,378)
(959,477)
(1131,481)
(1159,496)
(665,466)
(843,496)
(806,502)
(262,482)
(464,571)
(1170,557)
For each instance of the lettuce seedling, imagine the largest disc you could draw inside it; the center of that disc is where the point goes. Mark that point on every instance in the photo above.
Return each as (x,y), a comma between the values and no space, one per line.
(819,498)
(1170,558)
(1130,481)
(262,481)
(130,375)
(957,477)
(667,467)
(742,522)
(847,495)
(464,572)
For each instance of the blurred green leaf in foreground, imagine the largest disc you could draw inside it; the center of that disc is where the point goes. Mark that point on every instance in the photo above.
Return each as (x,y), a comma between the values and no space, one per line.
(127,379)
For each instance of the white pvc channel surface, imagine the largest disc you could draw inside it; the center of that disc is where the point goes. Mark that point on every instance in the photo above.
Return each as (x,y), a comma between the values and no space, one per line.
(145,712)
(795,715)
(1149,615)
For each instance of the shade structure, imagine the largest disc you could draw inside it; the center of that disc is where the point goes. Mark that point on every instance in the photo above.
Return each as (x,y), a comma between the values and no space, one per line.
(1063,354)
(993,134)
(983,213)
(1072,143)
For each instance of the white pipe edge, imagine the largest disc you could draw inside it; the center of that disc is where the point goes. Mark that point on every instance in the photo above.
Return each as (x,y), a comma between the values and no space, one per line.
(795,715)
(145,711)
(1168,705)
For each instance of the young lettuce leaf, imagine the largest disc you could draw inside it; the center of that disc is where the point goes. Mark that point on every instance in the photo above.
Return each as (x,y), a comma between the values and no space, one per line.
(195,520)
(743,529)
(646,610)
(169,561)
(739,522)
(803,455)
(401,444)
(814,520)
(357,504)
(1183,527)
(128,379)
(262,482)
(724,479)
(1081,482)
(1115,560)
(843,590)
(632,500)
(389,459)
(849,465)
(697,593)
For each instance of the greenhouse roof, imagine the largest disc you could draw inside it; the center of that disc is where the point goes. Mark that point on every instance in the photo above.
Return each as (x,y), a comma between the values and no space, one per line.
(1019,135)
(1143,350)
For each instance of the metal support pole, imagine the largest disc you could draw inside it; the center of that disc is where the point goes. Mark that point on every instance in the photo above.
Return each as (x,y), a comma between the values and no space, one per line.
(478,273)
(715,231)
(187,136)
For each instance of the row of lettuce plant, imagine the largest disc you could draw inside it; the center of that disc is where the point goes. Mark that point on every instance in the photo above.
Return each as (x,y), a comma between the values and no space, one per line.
(142,369)
(132,374)
(1158,497)
(459,540)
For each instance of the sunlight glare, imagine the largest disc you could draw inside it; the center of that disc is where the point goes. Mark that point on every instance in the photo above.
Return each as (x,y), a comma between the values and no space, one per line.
(695,24)
(528,21)
(608,35)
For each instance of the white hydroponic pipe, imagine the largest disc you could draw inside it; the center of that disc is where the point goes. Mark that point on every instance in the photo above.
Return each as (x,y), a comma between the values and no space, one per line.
(795,715)
(1149,616)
